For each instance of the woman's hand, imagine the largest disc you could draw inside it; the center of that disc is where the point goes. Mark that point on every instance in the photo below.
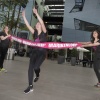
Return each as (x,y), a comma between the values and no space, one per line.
(8,36)
(35,11)
(12,40)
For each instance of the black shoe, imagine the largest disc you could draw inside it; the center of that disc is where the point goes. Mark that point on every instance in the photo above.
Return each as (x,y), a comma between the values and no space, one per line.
(29,89)
(36,79)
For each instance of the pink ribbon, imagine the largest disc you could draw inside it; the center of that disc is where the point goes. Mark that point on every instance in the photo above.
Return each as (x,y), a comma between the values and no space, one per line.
(48,45)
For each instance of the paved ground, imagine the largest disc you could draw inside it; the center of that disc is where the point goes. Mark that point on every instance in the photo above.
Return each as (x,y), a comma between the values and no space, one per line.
(57,82)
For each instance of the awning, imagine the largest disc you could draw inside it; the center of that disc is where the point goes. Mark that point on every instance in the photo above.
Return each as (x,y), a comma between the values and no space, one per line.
(82,49)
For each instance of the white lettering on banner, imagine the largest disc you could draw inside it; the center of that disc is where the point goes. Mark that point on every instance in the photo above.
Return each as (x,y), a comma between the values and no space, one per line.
(66,45)
(43,45)
(33,44)
(57,45)
(74,45)
(16,39)
(26,42)
(48,45)
(40,44)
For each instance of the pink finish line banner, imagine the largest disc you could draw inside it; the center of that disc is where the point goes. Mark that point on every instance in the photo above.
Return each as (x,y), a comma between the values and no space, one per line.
(47,45)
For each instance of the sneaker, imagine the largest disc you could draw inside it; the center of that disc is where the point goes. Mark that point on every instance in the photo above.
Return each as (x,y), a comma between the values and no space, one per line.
(97,85)
(3,70)
(29,89)
(36,79)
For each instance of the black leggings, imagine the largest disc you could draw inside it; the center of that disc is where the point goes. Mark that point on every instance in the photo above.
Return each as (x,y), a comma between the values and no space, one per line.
(3,52)
(36,59)
(97,68)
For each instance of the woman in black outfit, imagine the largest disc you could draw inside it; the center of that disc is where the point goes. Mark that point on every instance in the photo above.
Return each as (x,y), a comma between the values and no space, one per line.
(95,43)
(38,54)
(4,45)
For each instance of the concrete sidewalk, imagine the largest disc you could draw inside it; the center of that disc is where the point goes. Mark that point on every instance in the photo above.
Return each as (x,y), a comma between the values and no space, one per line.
(57,82)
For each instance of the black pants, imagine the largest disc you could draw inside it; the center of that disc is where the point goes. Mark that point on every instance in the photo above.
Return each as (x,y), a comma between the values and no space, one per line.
(84,64)
(97,68)
(36,59)
(3,52)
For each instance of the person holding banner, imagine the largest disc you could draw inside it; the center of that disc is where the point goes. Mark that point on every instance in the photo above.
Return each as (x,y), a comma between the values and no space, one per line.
(4,45)
(38,54)
(95,43)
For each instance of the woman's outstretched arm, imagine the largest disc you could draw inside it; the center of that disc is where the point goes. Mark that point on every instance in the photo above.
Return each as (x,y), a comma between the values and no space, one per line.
(91,44)
(40,20)
(27,23)
(4,37)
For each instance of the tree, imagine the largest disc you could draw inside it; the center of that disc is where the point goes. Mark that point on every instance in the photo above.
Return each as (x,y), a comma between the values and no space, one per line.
(74,52)
(10,12)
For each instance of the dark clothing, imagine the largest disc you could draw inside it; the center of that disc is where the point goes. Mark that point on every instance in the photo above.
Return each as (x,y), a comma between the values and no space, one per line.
(3,52)
(84,61)
(4,45)
(42,38)
(97,61)
(97,68)
(21,52)
(37,57)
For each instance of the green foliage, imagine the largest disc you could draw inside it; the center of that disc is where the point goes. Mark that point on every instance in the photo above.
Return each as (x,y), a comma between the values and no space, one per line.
(59,40)
(10,12)
(62,52)
(74,53)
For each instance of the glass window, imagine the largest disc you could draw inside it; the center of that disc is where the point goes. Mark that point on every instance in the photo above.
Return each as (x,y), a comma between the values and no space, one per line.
(78,6)
(84,26)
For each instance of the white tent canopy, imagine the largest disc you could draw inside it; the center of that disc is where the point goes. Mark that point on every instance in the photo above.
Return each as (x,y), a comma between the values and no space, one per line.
(82,49)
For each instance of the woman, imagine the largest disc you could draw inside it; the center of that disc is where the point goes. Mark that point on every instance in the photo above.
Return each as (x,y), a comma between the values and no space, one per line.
(38,54)
(95,43)
(4,45)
